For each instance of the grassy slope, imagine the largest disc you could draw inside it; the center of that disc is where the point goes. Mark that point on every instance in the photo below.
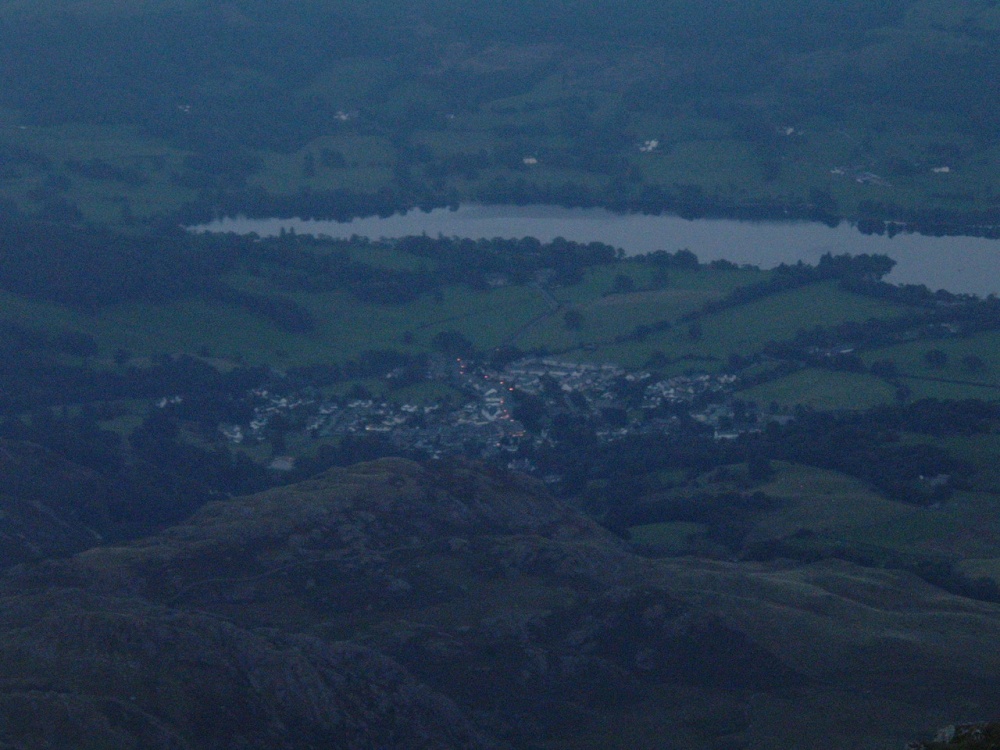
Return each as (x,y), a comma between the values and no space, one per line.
(722,167)
(746,329)
(519,315)
(825,502)
(823,389)
(843,512)
(523,316)
(536,113)
(955,379)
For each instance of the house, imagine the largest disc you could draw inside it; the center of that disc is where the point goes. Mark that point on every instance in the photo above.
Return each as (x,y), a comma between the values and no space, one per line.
(282,463)
(233,433)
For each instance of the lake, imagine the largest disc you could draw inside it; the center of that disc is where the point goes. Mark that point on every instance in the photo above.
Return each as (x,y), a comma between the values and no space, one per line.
(959,264)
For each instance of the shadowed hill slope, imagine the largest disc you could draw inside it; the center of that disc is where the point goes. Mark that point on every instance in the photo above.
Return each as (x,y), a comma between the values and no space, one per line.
(47,504)
(541,627)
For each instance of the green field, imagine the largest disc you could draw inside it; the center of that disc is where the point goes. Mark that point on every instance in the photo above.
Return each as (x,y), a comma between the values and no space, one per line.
(816,509)
(970,369)
(823,389)
(828,503)
(345,327)
(695,151)
(740,330)
(520,315)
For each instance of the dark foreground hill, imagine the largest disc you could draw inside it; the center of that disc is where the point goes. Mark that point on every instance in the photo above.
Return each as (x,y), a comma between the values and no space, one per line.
(394,605)
(47,504)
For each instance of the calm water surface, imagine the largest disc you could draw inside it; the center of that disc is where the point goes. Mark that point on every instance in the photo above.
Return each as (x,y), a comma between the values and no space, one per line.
(958,264)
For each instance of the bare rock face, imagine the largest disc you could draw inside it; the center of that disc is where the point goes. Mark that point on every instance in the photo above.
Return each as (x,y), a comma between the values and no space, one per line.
(973,736)
(86,671)
(486,608)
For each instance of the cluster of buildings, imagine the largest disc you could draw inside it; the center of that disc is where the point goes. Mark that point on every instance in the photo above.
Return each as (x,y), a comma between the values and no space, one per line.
(688,389)
(270,405)
(484,422)
(537,376)
(480,427)
(861,176)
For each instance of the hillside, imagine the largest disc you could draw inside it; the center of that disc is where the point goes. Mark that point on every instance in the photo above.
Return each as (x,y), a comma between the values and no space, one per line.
(49,506)
(125,112)
(315,612)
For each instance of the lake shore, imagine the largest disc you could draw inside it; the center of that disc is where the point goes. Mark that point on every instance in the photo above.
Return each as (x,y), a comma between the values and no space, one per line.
(959,264)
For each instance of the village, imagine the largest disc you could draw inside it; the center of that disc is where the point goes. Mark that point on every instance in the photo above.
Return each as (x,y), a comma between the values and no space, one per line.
(499,414)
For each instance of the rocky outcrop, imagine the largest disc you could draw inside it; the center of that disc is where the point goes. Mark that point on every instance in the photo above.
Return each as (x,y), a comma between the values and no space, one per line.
(88,671)
(975,736)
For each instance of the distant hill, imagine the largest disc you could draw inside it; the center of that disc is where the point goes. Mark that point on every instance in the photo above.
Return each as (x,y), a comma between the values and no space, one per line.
(751,105)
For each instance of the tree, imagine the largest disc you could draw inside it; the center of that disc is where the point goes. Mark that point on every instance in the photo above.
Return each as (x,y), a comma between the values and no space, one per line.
(822,202)
(357,392)
(623,284)
(550,386)
(452,342)
(528,409)
(122,356)
(685,259)
(573,319)
(309,165)
(973,363)
(736,362)
(885,368)
(77,344)
(659,278)
(936,358)
(332,159)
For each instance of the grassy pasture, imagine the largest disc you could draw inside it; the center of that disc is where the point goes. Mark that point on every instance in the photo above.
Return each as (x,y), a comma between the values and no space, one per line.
(964,527)
(522,315)
(695,151)
(606,316)
(831,506)
(981,452)
(747,328)
(838,512)
(955,379)
(823,389)
(825,502)
(102,200)
(368,165)
(981,568)
(345,327)
(837,507)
